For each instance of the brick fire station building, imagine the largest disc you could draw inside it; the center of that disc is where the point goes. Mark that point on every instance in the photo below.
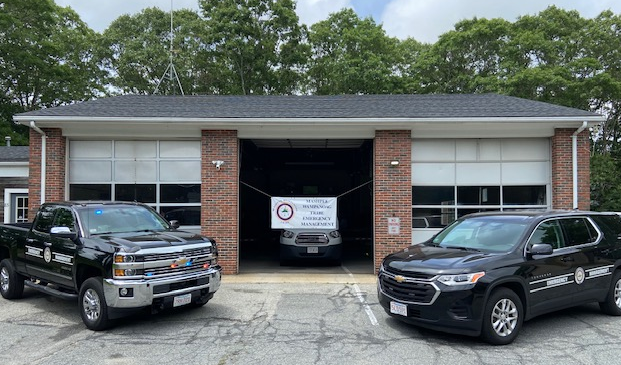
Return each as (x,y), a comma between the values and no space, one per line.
(403,166)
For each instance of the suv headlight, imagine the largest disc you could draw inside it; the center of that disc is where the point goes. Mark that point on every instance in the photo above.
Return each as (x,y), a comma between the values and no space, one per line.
(461,279)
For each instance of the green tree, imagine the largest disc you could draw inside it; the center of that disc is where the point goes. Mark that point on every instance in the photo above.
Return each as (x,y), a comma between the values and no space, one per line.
(468,59)
(252,47)
(351,56)
(46,58)
(137,52)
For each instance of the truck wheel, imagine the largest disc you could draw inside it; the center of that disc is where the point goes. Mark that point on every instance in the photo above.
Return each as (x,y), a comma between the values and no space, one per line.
(612,304)
(11,283)
(93,307)
(502,318)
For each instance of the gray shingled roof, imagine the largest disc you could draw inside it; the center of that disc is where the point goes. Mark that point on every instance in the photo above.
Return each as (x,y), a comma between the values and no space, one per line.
(307,106)
(14,153)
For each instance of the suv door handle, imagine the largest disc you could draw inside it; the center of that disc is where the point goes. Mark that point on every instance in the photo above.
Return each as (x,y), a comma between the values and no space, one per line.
(47,244)
(567,259)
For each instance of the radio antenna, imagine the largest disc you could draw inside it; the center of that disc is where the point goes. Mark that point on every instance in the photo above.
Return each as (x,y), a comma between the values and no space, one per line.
(171,72)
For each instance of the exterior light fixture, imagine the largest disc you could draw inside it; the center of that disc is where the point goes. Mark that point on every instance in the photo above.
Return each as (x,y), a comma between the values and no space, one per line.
(218,163)
(394,163)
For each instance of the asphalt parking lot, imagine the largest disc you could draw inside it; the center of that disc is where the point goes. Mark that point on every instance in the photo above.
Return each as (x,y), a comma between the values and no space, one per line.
(308,318)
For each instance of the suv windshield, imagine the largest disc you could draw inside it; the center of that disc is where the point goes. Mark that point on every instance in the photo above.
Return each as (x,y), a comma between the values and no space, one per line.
(486,234)
(106,219)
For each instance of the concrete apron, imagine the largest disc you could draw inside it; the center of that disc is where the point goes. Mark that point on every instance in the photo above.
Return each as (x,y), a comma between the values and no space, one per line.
(281,277)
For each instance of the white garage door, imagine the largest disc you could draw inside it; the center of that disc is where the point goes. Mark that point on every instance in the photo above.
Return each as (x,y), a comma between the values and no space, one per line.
(163,174)
(451,178)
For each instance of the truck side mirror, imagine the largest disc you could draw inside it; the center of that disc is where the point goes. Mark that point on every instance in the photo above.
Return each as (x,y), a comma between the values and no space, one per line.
(63,232)
(175,224)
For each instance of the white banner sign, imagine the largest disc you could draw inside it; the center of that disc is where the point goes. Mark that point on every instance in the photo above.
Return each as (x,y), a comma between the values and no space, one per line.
(309,213)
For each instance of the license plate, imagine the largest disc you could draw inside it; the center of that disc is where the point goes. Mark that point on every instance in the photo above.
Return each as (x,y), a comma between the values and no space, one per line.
(312,249)
(182,300)
(398,308)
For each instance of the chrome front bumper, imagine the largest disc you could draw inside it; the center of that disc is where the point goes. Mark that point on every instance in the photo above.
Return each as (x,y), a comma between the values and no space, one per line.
(145,291)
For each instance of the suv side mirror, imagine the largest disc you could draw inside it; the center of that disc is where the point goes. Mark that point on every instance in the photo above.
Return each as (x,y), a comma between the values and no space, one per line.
(541,249)
(175,224)
(63,232)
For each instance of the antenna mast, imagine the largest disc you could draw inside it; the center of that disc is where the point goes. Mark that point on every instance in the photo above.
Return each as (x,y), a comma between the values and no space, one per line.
(170,70)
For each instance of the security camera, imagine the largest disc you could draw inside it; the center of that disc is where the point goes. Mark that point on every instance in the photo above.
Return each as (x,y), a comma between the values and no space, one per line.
(217,163)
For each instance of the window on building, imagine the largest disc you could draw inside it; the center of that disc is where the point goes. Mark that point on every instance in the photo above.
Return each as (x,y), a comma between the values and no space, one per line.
(163,174)
(452,178)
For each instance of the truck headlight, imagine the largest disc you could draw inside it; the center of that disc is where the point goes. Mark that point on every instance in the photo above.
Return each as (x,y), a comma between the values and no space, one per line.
(335,234)
(461,279)
(128,272)
(287,234)
(124,258)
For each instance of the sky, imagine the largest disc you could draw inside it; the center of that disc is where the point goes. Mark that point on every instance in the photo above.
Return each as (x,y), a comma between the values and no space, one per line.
(423,20)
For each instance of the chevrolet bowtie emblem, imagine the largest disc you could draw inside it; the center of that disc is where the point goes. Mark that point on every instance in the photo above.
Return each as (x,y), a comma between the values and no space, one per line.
(181,261)
(399,278)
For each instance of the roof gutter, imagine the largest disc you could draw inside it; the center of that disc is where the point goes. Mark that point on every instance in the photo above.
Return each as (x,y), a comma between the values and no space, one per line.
(574,156)
(43,157)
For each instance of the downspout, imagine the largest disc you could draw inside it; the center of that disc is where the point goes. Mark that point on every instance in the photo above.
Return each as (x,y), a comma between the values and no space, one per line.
(574,157)
(43,157)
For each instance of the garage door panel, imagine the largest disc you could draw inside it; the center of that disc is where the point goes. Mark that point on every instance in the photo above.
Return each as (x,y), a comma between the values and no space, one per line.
(477,173)
(433,150)
(90,149)
(90,171)
(182,171)
(135,171)
(537,173)
(135,149)
(433,173)
(526,149)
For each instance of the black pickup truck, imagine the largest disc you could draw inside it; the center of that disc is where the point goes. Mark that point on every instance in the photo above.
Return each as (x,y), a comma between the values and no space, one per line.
(486,273)
(114,257)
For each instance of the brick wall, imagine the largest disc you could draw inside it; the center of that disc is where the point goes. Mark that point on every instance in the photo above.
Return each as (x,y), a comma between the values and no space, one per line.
(55,169)
(562,170)
(219,195)
(393,191)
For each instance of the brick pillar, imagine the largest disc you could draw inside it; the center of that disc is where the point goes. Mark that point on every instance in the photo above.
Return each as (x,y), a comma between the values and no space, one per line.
(220,195)
(392,191)
(562,170)
(55,169)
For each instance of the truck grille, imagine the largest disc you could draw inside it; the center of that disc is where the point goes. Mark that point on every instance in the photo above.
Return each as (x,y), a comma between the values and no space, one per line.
(167,262)
(307,239)
(408,289)
(194,252)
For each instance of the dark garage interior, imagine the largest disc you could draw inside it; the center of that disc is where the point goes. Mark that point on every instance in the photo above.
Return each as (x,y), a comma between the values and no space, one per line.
(305,168)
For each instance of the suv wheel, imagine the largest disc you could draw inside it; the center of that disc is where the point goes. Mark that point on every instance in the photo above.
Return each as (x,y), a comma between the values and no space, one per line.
(502,318)
(612,304)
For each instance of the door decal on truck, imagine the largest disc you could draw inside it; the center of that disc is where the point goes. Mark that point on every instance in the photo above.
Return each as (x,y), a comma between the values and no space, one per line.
(34,251)
(48,255)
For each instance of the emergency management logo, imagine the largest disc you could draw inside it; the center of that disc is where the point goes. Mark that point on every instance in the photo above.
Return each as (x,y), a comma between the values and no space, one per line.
(579,276)
(284,211)
(47,255)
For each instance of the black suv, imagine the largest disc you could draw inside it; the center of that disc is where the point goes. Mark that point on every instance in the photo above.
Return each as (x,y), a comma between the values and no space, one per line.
(486,273)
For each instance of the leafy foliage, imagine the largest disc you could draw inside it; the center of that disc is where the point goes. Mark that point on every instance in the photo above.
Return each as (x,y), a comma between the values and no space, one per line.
(136,50)
(252,47)
(351,56)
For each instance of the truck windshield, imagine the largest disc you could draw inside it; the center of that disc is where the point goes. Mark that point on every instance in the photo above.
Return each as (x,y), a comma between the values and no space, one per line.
(486,234)
(106,219)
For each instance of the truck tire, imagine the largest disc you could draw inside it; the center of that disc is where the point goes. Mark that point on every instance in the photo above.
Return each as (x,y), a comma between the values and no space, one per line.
(612,304)
(92,303)
(11,283)
(502,317)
